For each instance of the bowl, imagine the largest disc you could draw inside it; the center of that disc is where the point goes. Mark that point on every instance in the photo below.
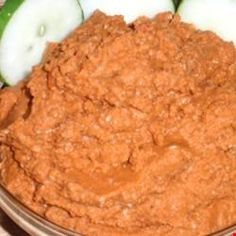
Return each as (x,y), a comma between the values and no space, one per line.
(37,226)
(28,220)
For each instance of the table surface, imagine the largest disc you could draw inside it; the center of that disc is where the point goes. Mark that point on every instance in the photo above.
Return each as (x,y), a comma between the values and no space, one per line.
(8,227)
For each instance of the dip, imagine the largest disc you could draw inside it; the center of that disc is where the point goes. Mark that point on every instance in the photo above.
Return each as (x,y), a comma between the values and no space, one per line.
(126,130)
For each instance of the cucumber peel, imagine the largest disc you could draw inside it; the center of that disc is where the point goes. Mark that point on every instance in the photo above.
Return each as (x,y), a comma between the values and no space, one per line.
(6,12)
(26,27)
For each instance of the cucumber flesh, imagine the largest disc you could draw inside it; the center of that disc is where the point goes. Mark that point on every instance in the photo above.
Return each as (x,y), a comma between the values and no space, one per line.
(130,9)
(31,26)
(218,16)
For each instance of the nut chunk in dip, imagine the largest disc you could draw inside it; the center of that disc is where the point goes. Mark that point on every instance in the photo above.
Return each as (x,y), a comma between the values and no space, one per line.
(126,130)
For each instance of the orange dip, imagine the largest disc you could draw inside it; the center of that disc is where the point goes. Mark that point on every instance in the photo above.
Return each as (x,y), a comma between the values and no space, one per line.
(126,130)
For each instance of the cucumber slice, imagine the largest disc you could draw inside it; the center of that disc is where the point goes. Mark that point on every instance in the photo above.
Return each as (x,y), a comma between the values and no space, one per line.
(26,26)
(130,9)
(218,16)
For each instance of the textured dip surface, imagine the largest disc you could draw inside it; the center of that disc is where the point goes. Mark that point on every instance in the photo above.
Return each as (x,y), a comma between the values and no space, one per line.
(126,130)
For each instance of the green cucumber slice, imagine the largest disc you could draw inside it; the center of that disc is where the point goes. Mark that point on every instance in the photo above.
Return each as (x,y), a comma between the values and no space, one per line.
(26,27)
(130,9)
(218,16)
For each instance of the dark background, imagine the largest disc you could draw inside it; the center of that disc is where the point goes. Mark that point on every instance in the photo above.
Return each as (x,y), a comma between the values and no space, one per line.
(176,2)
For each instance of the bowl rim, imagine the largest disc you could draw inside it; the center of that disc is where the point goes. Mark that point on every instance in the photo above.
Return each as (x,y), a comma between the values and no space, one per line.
(31,221)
